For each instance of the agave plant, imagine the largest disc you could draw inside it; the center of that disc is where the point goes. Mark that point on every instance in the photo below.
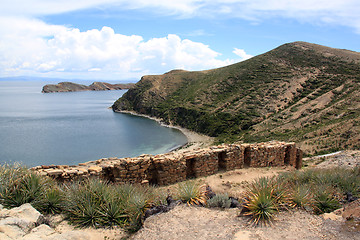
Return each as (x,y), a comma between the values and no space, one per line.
(300,196)
(262,200)
(19,185)
(261,207)
(83,202)
(325,200)
(112,213)
(51,201)
(135,201)
(192,193)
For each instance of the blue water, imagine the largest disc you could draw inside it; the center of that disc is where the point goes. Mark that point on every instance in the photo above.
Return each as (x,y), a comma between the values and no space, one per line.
(69,128)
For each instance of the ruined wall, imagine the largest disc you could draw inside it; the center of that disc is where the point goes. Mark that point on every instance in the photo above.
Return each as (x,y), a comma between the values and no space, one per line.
(175,167)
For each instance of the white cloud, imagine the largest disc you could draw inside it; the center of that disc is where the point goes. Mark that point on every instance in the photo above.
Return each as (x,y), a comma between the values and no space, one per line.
(34,47)
(334,12)
(242,54)
(29,46)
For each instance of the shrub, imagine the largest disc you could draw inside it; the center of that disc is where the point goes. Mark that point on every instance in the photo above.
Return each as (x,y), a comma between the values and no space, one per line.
(192,193)
(261,206)
(324,201)
(300,196)
(220,201)
(135,201)
(19,185)
(262,200)
(83,203)
(51,201)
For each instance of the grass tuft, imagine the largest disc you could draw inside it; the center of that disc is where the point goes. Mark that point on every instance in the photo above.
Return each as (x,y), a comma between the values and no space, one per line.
(192,193)
(220,201)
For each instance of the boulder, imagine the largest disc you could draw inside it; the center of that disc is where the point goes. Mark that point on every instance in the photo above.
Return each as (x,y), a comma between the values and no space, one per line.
(41,232)
(352,211)
(25,212)
(9,231)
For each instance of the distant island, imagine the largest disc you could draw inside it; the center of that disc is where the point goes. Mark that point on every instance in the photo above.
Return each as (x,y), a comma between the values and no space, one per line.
(75,87)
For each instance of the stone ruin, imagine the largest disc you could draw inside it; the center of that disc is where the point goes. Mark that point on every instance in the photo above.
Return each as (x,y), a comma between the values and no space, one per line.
(169,168)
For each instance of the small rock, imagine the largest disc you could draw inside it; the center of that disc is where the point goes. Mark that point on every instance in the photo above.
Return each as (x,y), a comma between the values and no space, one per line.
(145,182)
(352,211)
(332,216)
(40,232)
(95,169)
(11,231)
(55,172)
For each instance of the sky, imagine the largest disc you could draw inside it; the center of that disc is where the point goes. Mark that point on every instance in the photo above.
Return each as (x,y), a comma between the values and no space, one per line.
(124,40)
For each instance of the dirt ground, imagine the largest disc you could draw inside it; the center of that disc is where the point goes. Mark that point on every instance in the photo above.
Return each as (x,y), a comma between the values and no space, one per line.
(188,223)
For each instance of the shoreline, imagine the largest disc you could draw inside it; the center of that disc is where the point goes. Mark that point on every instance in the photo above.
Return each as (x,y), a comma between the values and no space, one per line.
(194,140)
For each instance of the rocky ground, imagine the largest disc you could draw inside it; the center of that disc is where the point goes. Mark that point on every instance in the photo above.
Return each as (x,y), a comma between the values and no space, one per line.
(26,223)
(188,223)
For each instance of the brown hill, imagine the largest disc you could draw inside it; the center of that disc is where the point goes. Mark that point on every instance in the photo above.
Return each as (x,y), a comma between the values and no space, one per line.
(74,87)
(297,92)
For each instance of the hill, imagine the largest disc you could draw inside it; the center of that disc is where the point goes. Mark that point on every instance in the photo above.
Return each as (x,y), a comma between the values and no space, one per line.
(75,87)
(299,92)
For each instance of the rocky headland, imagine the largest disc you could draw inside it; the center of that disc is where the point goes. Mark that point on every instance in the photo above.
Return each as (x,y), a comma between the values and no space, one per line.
(298,92)
(75,87)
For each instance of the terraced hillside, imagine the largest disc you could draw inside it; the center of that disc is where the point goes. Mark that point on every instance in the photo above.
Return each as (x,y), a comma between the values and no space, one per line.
(299,92)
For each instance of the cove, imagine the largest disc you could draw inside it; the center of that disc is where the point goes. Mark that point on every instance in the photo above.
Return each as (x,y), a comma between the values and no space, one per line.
(71,128)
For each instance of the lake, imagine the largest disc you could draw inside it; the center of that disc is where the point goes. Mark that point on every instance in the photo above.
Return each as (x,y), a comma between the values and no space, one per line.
(69,128)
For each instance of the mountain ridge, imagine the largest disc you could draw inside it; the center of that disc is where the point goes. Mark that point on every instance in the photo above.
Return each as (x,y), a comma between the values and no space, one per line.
(296,92)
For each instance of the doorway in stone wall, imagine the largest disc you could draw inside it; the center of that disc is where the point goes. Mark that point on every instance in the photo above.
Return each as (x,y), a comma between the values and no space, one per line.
(287,156)
(221,161)
(247,158)
(153,176)
(190,168)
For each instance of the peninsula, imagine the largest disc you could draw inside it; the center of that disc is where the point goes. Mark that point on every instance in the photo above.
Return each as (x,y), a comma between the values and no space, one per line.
(299,92)
(75,87)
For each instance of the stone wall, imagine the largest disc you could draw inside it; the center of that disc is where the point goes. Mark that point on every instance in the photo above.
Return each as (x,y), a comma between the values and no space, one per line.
(175,167)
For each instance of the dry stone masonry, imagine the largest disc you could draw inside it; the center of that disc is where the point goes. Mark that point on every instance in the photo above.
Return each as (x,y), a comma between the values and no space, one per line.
(175,167)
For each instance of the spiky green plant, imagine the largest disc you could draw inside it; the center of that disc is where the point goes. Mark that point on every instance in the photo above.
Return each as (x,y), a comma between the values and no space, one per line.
(220,201)
(136,200)
(83,202)
(112,213)
(192,193)
(325,200)
(261,201)
(51,201)
(261,207)
(19,185)
(300,196)
(10,190)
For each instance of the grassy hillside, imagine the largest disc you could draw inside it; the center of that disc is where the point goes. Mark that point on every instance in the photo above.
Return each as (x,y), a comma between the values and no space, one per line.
(298,92)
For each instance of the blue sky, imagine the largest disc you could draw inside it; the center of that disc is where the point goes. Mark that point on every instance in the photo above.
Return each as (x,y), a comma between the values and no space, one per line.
(123,40)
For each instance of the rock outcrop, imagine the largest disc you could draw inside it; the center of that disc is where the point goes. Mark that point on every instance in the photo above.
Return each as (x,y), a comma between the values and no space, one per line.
(26,223)
(175,167)
(74,87)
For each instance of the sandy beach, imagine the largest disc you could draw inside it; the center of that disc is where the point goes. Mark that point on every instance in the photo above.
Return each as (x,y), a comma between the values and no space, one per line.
(194,140)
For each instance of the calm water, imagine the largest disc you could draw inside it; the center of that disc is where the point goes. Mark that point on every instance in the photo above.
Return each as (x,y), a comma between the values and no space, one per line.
(69,128)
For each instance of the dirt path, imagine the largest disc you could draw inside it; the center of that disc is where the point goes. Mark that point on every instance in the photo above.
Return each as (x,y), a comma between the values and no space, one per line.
(188,223)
